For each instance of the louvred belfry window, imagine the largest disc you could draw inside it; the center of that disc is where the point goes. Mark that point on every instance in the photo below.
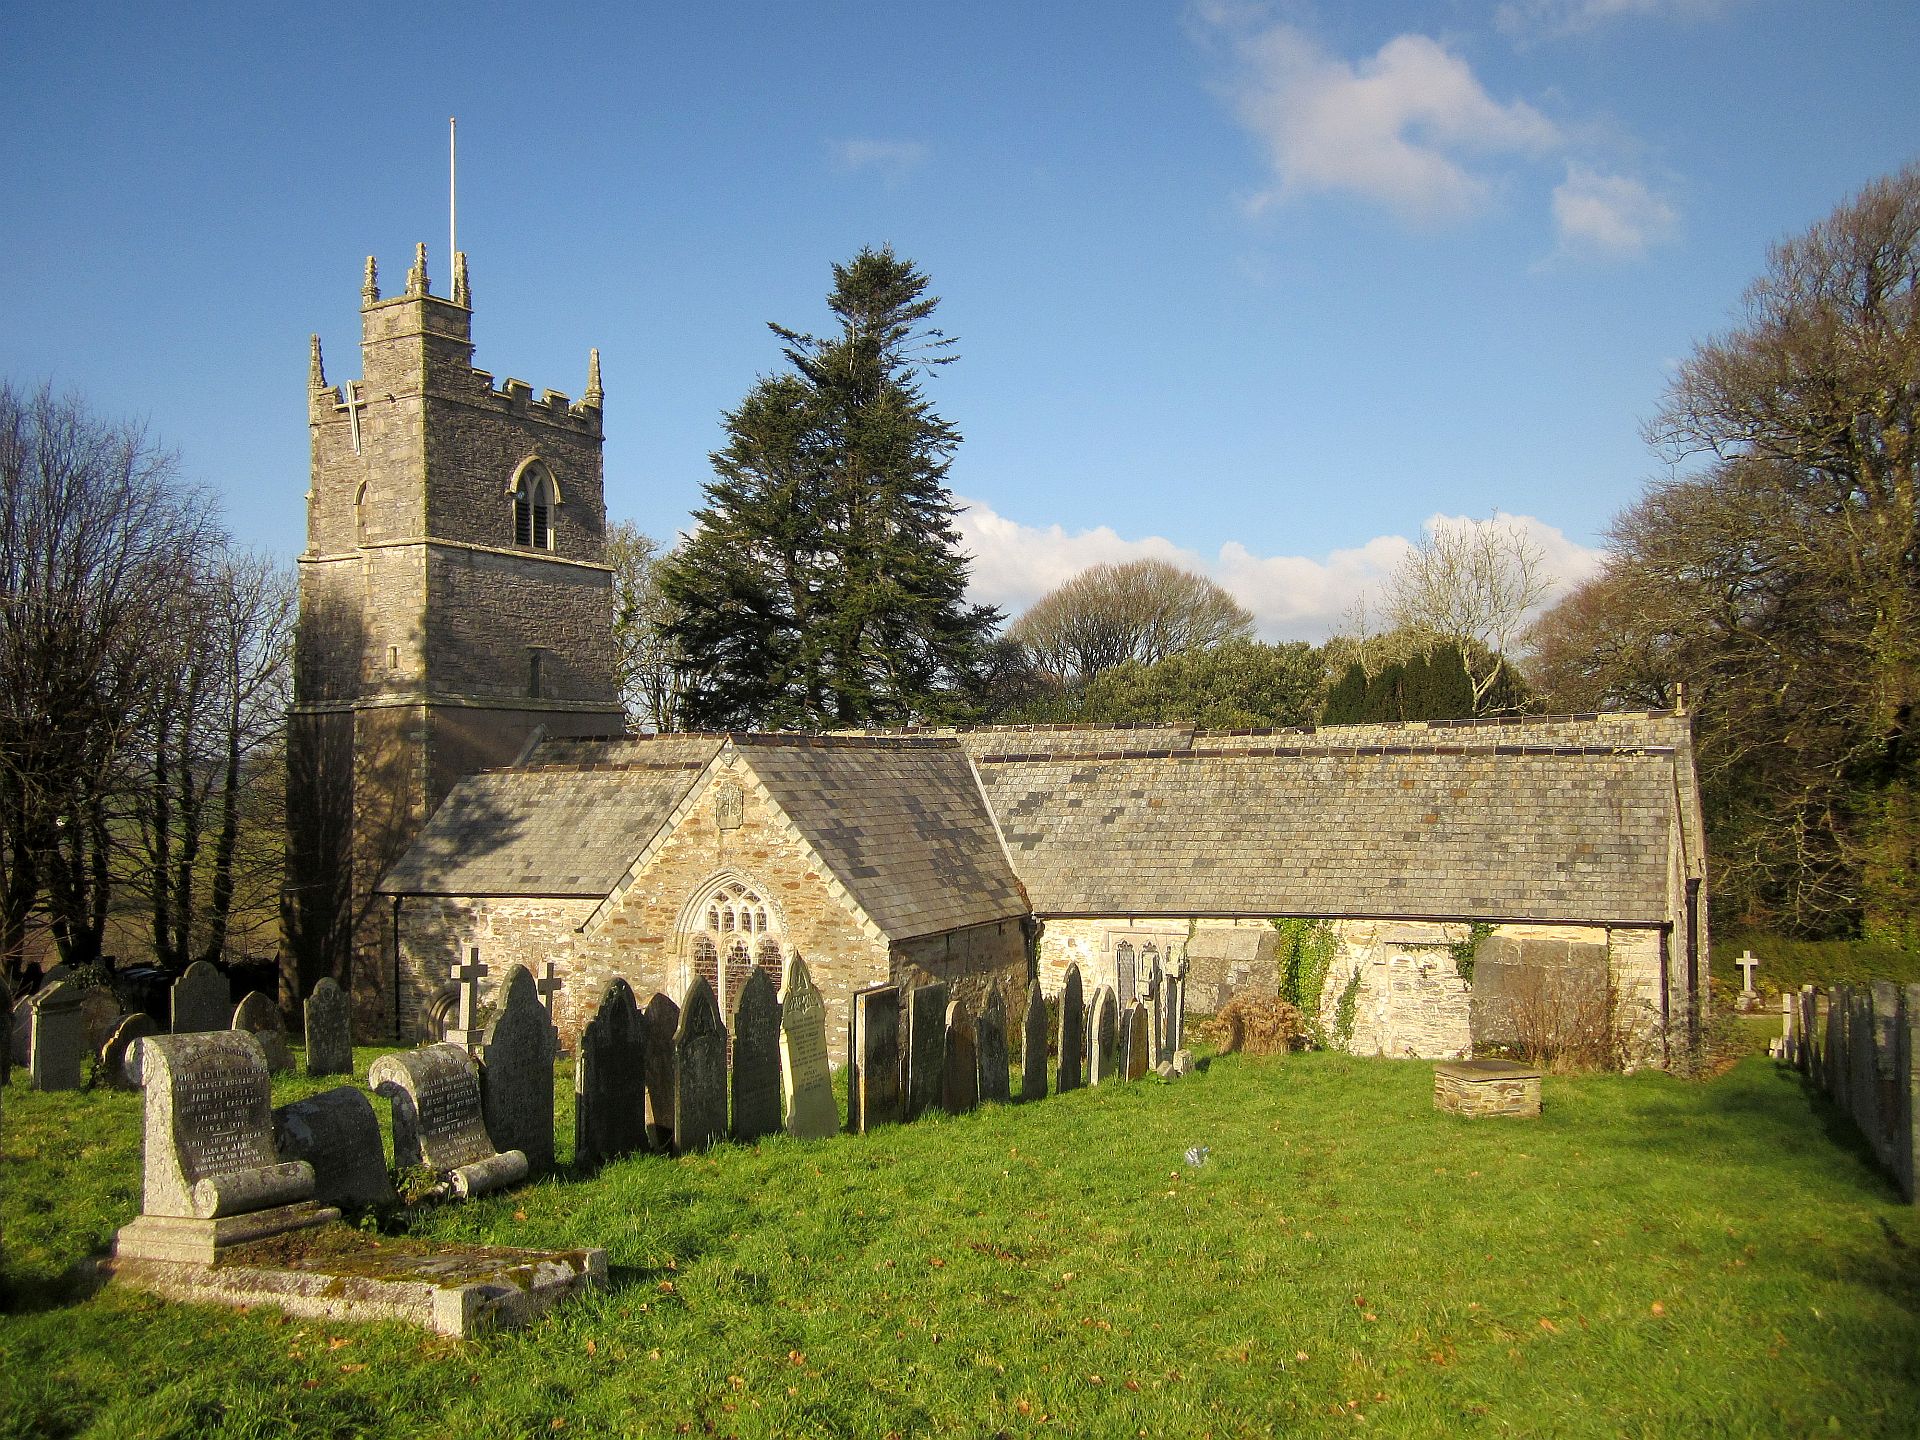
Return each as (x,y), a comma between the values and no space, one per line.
(533,500)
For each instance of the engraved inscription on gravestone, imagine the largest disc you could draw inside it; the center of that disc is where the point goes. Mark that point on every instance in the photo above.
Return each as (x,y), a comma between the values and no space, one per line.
(873,1081)
(435,1092)
(806,1081)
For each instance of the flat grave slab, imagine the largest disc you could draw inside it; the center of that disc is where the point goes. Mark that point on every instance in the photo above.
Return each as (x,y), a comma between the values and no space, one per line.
(1486,1087)
(338,1274)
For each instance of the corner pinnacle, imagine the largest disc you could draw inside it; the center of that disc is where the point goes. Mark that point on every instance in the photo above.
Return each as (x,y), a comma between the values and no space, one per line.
(417,276)
(461,294)
(316,368)
(370,291)
(595,395)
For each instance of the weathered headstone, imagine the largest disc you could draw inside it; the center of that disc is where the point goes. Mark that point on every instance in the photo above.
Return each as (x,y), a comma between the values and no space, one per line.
(56,1057)
(1033,1046)
(1176,1002)
(329,1017)
(202,1000)
(100,1016)
(960,1084)
(610,1079)
(756,1059)
(516,1072)
(663,1023)
(1103,1058)
(990,1035)
(210,1176)
(466,1031)
(1157,1010)
(1073,1033)
(700,1071)
(873,1059)
(20,1048)
(1136,1049)
(806,1080)
(336,1133)
(926,1047)
(437,1120)
(111,1068)
(261,1016)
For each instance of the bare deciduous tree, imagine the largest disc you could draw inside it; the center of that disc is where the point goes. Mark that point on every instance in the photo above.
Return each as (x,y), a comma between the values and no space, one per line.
(1475,585)
(1141,610)
(652,673)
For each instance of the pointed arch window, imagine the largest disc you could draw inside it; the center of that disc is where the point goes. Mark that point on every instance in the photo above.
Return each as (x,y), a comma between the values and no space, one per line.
(534,498)
(735,922)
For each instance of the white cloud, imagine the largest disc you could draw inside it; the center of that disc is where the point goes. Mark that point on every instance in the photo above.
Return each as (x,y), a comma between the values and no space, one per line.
(1398,128)
(1553,19)
(891,158)
(1292,597)
(1609,217)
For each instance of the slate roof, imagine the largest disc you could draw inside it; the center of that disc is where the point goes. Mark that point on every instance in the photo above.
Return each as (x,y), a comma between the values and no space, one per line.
(901,823)
(1497,833)
(551,828)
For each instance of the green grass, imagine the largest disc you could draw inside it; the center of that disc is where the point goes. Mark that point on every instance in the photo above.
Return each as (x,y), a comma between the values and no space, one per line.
(1650,1257)
(1789,964)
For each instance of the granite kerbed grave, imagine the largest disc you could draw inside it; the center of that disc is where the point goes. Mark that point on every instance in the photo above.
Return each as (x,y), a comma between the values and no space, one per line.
(329,1027)
(1486,1087)
(808,1109)
(258,1014)
(437,1124)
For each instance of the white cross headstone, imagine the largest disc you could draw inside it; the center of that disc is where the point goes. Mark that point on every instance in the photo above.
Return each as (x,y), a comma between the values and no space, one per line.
(468,1034)
(1748,963)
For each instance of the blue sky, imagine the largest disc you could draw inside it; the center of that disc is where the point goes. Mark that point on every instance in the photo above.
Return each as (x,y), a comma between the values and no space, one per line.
(1261,288)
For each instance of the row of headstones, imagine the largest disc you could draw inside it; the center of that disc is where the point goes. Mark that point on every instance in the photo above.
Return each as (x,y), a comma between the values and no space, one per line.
(59,1025)
(1858,1045)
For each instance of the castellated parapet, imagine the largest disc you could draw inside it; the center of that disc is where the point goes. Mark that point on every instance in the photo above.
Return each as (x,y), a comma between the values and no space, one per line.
(455,598)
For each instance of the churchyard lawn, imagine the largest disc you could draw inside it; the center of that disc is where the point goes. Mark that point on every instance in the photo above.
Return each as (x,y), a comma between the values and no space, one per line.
(1650,1257)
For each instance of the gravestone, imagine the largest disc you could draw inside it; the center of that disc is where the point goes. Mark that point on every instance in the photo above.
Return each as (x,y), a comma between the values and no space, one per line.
(100,1016)
(6,1014)
(1103,1057)
(756,1059)
(663,1023)
(960,1083)
(437,1120)
(700,1071)
(873,1059)
(806,1081)
(466,1031)
(1136,1050)
(202,1000)
(1176,1003)
(610,1079)
(329,1017)
(20,1048)
(111,1068)
(990,1035)
(261,1016)
(926,1047)
(56,1055)
(1033,1046)
(516,1074)
(336,1133)
(210,1177)
(1073,1033)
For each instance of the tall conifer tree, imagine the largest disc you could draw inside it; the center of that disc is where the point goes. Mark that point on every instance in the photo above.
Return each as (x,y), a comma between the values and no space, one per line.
(824,585)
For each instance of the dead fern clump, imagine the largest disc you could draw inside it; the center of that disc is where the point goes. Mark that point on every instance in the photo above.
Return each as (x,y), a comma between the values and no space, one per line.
(1258,1025)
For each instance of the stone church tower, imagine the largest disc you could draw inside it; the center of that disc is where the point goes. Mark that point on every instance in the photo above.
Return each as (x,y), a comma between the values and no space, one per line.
(454,600)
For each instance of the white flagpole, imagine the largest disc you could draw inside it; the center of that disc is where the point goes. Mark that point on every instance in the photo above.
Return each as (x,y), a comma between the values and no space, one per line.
(452,247)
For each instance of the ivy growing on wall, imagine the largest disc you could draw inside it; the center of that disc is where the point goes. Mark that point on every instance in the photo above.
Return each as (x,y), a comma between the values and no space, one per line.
(1343,1013)
(1306,950)
(1463,950)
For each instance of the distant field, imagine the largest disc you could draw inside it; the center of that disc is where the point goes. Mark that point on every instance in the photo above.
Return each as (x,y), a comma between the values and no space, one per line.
(1651,1257)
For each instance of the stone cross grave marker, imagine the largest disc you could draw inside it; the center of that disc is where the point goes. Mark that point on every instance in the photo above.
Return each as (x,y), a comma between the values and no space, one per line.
(1073,1032)
(1748,963)
(329,1026)
(610,1079)
(112,1068)
(700,1071)
(1103,1061)
(1033,1046)
(549,984)
(756,1059)
(466,1031)
(257,1013)
(1136,1048)
(210,1177)
(926,1047)
(336,1133)
(663,1024)
(806,1079)
(516,1075)
(960,1078)
(990,1035)
(58,1038)
(437,1119)
(202,1000)
(873,1059)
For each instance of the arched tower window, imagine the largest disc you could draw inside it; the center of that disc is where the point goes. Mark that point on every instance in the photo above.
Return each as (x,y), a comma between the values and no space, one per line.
(735,922)
(534,498)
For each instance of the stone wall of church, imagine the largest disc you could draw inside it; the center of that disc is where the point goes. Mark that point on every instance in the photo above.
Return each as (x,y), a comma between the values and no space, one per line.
(969,963)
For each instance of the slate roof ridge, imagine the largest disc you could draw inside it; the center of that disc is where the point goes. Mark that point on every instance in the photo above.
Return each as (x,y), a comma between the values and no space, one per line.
(1290,752)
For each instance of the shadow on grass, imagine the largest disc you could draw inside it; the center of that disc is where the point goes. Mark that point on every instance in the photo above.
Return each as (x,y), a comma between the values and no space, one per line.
(79,1282)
